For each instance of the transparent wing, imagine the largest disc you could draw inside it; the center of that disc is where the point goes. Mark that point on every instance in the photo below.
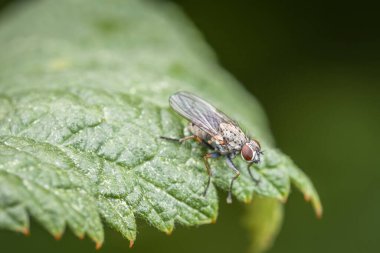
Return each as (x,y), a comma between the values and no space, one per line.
(198,111)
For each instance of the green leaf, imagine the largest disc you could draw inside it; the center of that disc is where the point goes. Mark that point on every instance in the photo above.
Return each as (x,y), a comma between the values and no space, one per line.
(303,183)
(83,100)
(263,220)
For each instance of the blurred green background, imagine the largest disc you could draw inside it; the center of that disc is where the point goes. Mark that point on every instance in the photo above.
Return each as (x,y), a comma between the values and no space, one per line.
(314,66)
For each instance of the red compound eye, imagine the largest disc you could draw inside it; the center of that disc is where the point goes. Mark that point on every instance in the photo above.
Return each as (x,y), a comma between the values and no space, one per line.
(247,152)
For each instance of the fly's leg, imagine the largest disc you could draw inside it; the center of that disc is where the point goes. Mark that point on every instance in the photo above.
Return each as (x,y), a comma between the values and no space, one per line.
(209,172)
(190,137)
(237,174)
(257,181)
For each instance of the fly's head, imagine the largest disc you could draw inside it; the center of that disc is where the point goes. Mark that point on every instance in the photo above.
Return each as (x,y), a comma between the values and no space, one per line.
(251,152)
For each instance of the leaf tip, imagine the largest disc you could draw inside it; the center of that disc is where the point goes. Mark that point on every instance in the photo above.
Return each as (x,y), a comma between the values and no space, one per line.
(58,236)
(169,231)
(25,231)
(98,245)
(318,211)
(316,204)
(131,243)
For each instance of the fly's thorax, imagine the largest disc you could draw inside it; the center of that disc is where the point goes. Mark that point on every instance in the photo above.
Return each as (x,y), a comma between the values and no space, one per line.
(233,136)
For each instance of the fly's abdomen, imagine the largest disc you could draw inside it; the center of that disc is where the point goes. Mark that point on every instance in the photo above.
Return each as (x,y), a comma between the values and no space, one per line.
(198,132)
(216,141)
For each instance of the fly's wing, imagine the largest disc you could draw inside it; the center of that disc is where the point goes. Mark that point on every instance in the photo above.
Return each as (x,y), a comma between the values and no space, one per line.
(198,111)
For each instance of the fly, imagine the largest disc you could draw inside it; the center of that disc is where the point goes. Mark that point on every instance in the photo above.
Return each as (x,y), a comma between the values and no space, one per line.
(216,131)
